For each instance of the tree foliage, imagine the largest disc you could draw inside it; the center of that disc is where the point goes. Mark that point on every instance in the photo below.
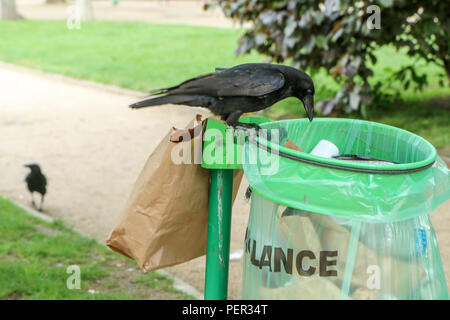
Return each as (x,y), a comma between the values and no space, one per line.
(342,36)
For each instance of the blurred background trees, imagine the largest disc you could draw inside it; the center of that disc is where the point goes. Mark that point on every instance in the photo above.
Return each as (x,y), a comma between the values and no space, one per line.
(342,37)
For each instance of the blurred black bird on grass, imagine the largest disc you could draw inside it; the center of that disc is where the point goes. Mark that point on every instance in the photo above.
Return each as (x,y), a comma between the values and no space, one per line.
(231,92)
(36,182)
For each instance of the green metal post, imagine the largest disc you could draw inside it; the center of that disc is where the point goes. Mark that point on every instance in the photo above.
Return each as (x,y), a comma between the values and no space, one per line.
(219,229)
(217,160)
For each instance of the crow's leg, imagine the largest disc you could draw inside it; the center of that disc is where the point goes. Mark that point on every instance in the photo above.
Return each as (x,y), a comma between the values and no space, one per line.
(32,200)
(233,120)
(42,201)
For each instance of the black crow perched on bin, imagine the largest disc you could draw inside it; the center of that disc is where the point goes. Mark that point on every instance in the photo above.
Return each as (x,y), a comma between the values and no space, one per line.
(36,182)
(231,92)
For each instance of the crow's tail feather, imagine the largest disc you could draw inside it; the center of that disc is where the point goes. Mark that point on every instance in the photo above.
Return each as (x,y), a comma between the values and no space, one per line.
(189,100)
(156,101)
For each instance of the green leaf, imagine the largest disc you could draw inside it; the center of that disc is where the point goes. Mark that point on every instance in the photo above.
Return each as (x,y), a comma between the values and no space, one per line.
(386,3)
(321,42)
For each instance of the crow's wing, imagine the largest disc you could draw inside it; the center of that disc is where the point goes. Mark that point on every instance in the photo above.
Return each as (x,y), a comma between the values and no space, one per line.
(166,90)
(240,81)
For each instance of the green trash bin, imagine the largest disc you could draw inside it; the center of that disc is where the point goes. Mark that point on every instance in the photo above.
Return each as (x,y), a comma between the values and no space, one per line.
(323,228)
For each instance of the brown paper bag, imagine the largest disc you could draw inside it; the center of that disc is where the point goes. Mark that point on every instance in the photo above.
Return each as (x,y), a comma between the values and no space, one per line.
(165,219)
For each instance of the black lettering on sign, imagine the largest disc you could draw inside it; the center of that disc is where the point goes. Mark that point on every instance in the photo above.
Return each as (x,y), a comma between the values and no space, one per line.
(247,241)
(247,245)
(265,257)
(324,263)
(280,256)
(253,255)
(299,261)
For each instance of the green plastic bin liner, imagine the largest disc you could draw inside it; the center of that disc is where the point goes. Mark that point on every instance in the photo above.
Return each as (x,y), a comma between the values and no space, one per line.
(322,228)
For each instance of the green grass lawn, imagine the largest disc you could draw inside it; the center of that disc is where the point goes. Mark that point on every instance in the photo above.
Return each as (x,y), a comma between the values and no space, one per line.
(35,255)
(142,56)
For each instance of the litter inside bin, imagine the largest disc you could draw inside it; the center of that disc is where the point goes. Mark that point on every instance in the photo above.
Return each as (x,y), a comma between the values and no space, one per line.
(325,149)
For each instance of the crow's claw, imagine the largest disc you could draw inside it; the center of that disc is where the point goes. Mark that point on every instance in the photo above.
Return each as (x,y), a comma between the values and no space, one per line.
(247,126)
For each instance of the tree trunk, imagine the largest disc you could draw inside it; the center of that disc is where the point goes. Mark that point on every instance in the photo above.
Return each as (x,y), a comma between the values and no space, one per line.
(85,10)
(8,10)
(447,67)
(54,1)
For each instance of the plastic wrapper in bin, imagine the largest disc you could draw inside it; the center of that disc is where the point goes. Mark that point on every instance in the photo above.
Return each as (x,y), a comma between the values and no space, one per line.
(324,228)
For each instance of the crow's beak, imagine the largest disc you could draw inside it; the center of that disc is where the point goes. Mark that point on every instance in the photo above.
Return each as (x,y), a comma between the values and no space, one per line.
(26,165)
(308,103)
